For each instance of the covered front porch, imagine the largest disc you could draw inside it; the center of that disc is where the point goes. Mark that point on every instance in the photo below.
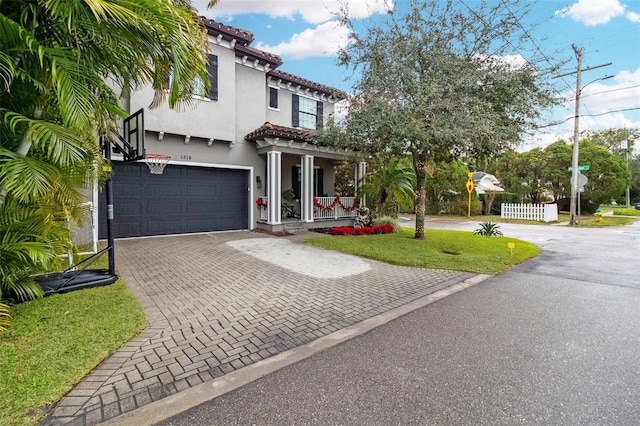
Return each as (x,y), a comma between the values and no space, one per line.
(298,189)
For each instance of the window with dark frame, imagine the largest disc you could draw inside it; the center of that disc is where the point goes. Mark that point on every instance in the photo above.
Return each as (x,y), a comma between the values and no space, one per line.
(306,113)
(273,97)
(212,68)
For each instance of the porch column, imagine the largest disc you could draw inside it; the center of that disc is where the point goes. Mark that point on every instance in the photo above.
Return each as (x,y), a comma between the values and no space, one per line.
(306,201)
(274,187)
(361,173)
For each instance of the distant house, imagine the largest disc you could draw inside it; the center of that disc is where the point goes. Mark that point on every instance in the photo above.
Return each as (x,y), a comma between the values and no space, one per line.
(485,182)
(249,139)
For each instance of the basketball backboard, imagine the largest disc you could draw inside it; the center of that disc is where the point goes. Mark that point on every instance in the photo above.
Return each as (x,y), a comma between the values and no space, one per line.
(131,143)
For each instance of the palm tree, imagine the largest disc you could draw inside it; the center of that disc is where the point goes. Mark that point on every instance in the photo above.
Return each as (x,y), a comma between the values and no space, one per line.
(63,67)
(389,184)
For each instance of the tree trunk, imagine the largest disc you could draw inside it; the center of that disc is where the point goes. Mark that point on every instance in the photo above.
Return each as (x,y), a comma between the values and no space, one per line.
(488,201)
(420,166)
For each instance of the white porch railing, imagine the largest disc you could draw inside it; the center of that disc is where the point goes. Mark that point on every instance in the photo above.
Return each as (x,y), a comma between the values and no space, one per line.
(328,208)
(539,212)
(334,207)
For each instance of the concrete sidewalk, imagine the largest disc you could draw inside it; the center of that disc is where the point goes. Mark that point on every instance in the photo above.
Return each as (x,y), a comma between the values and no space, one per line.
(219,302)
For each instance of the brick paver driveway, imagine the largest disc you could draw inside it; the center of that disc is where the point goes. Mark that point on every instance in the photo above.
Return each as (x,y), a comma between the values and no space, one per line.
(213,309)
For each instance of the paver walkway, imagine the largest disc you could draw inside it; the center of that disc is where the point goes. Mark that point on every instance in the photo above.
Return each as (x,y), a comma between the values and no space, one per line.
(213,309)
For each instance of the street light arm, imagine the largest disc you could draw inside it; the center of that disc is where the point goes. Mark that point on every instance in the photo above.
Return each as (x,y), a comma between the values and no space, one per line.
(606,77)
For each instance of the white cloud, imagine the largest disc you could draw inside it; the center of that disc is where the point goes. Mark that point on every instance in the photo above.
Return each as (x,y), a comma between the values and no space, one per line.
(597,98)
(593,12)
(633,17)
(324,40)
(514,62)
(340,112)
(601,97)
(312,11)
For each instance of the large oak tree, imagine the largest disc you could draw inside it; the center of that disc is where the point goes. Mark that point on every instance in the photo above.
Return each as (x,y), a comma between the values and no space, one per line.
(437,83)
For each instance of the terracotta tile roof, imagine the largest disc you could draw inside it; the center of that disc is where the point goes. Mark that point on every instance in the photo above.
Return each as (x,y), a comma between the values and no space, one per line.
(275,131)
(290,78)
(228,33)
(253,54)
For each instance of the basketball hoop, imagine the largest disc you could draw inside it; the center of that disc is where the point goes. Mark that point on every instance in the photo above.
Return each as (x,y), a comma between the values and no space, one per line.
(157,162)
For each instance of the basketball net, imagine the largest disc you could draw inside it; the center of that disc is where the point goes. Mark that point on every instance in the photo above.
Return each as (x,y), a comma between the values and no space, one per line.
(157,163)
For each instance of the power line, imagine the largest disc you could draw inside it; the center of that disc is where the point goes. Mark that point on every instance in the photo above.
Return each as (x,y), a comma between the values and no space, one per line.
(557,123)
(526,33)
(612,90)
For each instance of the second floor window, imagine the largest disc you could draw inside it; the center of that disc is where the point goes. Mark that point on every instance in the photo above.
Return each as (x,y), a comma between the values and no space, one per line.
(273,98)
(307,113)
(212,69)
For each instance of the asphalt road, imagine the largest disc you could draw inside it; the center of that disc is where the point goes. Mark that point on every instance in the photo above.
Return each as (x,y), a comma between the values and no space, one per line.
(555,340)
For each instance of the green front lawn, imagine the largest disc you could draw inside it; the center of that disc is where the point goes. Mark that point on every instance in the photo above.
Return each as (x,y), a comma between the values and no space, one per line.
(622,211)
(55,341)
(593,222)
(454,250)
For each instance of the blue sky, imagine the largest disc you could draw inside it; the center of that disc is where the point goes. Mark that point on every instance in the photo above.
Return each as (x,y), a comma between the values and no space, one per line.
(305,34)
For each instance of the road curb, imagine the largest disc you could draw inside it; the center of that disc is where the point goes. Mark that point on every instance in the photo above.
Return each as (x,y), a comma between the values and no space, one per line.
(167,407)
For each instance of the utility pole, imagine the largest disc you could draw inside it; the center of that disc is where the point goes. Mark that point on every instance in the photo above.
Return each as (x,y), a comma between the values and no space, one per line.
(576,129)
(576,141)
(624,145)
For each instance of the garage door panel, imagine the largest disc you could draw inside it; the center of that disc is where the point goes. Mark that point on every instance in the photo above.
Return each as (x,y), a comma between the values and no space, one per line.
(181,200)
(164,209)
(126,171)
(200,173)
(170,173)
(164,226)
(125,208)
(164,190)
(132,190)
(127,228)
(202,191)
(203,208)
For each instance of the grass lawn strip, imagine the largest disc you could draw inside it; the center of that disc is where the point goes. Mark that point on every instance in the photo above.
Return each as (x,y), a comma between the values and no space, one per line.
(453,250)
(55,341)
(606,221)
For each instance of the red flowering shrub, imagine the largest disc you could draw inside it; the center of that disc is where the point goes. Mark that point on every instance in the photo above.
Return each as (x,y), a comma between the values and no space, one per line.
(363,230)
(342,230)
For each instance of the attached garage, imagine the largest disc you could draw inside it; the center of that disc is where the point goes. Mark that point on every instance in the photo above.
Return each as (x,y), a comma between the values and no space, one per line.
(183,199)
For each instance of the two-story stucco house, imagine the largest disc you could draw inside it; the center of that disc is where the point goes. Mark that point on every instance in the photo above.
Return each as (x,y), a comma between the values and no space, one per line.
(248,140)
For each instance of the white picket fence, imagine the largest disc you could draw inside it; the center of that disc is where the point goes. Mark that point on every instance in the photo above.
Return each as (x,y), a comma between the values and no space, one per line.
(539,212)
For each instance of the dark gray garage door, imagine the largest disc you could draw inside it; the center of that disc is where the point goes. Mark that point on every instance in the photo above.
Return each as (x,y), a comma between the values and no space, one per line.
(181,200)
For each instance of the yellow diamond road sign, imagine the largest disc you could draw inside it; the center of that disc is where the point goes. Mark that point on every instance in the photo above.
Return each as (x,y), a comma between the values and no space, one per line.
(469,185)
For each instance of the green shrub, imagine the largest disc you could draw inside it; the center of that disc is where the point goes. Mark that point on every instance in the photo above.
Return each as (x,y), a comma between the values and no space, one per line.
(488,229)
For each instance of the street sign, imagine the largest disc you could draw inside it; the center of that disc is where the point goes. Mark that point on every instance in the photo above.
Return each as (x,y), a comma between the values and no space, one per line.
(580,168)
(469,189)
(469,185)
(582,181)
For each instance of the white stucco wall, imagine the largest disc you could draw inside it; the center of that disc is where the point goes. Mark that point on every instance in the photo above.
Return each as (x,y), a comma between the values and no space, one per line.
(205,118)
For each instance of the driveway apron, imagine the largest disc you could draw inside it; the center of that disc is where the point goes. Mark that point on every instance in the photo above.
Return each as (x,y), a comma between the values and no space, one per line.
(221,301)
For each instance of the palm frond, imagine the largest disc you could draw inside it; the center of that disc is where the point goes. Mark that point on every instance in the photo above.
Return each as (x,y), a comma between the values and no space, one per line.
(5,317)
